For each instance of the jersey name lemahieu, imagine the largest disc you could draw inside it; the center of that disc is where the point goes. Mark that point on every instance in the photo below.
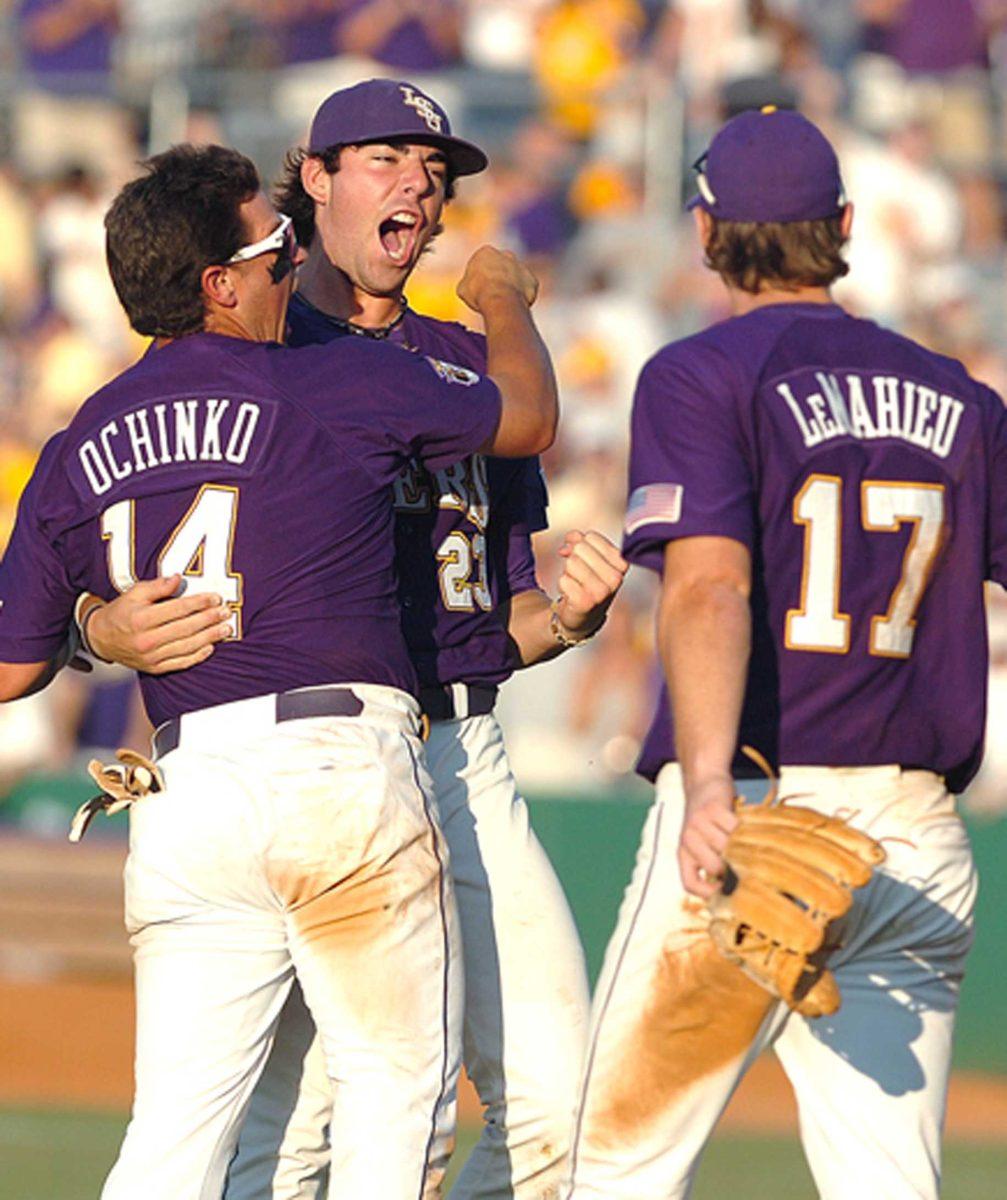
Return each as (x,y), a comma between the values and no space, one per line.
(865,475)
(874,406)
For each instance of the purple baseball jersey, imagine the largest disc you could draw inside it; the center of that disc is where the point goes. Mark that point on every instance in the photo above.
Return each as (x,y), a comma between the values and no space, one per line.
(259,472)
(868,477)
(462,534)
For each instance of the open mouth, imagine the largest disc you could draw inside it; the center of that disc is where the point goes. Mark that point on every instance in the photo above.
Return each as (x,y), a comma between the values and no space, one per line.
(398,234)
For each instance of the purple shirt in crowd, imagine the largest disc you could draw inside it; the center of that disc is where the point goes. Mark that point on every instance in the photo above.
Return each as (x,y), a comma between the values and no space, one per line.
(868,477)
(306,36)
(933,36)
(407,46)
(462,534)
(261,473)
(79,63)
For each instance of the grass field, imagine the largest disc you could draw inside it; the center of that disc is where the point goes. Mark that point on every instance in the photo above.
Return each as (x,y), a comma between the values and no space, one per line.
(65,1156)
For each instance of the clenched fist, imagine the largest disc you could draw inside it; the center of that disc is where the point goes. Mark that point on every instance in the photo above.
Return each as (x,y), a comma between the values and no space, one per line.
(592,575)
(491,272)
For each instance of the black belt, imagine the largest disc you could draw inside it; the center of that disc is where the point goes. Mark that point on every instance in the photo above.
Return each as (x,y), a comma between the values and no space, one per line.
(290,706)
(439,703)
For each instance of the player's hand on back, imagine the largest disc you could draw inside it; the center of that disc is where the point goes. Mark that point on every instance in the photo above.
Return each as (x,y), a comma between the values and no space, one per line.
(709,821)
(491,272)
(151,629)
(593,572)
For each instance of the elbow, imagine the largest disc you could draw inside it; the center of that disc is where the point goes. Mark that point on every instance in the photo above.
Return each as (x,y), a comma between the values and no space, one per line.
(524,434)
(529,418)
(547,425)
(553,427)
(533,439)
(545,434)
(709,596)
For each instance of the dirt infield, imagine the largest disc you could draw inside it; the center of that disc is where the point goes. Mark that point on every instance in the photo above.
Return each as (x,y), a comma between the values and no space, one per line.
(69,1044)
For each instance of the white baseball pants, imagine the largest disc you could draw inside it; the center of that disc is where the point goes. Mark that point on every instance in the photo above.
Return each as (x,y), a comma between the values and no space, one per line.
(870,1081)
(305,849)
(526,1001)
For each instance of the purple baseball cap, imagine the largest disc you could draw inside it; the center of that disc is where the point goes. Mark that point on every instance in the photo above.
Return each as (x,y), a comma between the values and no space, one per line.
(378,110)
(769,165)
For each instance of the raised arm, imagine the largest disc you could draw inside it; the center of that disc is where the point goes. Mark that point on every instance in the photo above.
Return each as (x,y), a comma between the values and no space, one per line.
(501,289)
(592,574)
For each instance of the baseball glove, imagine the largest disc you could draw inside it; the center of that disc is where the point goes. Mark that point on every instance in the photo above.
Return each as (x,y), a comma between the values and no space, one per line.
(790,871)
(122,783)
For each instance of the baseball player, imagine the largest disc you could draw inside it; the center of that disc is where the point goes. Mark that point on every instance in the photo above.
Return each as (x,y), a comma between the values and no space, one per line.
(367,197)
(823,500)
(286,829)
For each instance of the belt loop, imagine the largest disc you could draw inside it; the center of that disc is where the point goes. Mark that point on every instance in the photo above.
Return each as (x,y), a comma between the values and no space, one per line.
(460,700)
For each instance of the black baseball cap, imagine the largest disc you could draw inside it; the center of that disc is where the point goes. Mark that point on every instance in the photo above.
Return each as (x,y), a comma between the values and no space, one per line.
(378,110)
(769,165)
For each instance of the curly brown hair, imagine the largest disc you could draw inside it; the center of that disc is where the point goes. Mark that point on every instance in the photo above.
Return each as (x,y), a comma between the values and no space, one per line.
(756,256)
(166,227)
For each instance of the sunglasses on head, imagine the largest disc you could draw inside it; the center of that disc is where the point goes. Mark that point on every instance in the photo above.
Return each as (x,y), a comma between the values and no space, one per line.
(281,241)
(702,183)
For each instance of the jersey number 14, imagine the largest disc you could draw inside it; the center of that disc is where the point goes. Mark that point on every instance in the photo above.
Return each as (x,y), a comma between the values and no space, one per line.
(199,548)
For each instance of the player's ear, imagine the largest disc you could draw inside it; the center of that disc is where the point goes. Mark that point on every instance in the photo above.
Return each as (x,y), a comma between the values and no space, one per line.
(846,220)
(315,179)
(704,225)
(218,286)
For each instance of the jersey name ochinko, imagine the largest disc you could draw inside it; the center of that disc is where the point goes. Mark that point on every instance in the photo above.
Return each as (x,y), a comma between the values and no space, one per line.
(462,534)
(259,472)
(868,477)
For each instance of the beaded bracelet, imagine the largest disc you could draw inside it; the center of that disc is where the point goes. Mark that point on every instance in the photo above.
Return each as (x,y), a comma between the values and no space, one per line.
(559,632)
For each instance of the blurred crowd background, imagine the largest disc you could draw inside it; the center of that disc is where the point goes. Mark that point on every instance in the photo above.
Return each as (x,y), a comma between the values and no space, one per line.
(593,112)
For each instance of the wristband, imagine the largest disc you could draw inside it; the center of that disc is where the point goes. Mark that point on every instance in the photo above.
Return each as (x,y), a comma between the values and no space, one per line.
(82,617)
(559,632)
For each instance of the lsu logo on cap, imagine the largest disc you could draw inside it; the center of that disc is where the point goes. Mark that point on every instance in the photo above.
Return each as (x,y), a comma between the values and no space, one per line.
(424,106)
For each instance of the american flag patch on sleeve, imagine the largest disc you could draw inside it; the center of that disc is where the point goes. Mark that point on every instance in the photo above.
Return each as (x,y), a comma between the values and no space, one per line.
(654,504)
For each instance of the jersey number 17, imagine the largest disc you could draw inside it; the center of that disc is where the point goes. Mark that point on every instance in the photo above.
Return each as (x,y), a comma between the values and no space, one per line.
(818,623)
